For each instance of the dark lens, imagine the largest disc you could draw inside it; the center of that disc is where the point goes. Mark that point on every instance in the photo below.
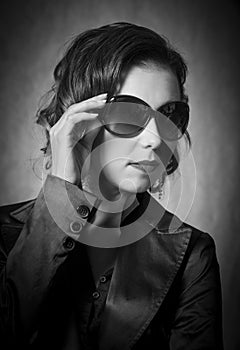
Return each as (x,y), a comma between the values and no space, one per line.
(124,118)
(173,123)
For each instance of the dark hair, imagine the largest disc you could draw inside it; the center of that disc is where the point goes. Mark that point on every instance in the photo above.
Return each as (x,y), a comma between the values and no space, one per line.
(98,60)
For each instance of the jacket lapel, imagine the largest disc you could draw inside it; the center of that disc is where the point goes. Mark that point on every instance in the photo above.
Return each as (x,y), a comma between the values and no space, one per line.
(143,274)
(21,214)
(9,235)
(11,230)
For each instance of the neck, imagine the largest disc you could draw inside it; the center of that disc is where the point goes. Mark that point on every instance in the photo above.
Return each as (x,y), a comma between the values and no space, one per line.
(112,200)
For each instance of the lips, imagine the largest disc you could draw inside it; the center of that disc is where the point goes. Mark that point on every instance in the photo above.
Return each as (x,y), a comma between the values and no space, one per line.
(146,165)
(148,162)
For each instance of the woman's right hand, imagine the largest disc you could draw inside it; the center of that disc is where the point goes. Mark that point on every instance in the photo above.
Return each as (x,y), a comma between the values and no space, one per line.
(67,154)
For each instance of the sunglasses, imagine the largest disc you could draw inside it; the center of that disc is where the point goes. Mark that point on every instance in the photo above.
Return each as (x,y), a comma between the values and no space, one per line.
(127,116)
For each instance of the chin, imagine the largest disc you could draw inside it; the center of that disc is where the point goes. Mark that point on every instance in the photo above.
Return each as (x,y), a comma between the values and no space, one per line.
(134,186)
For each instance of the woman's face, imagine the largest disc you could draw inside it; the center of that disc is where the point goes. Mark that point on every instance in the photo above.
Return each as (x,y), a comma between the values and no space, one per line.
(111,158)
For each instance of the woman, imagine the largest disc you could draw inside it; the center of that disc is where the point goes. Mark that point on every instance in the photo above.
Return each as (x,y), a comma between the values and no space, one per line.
(95,262)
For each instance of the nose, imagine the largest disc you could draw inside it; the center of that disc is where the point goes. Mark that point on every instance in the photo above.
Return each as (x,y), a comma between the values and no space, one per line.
(150,135)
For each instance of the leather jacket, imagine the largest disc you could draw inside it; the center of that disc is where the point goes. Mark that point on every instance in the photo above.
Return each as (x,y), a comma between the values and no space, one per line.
(165,291)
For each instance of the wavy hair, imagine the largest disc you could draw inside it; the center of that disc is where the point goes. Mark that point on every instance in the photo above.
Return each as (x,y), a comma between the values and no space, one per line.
(98,60)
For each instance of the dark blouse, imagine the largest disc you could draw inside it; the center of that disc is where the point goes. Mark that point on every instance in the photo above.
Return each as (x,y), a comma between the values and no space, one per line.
(75,324)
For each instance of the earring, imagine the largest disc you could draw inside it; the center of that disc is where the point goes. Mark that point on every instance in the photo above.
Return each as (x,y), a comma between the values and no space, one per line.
(160,189)
(84,183)
(48,164)
(157,187)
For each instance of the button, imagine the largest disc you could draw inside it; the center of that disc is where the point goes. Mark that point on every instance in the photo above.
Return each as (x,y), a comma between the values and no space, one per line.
(83,211)
(75,226)
(96,295)
(68,243)
(102,279)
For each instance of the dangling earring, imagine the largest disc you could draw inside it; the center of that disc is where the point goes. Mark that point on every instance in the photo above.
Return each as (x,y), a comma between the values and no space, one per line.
(158,187)
(85,183)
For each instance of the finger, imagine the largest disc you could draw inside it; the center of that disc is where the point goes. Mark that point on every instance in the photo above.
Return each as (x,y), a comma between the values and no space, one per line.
(86,106)
(84,129)
(97,98)
(70,121)
(85,121)
(101,96)
(90,105)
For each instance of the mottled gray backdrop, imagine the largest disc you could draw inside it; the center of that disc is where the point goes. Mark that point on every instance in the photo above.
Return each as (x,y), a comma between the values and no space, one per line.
(206,33)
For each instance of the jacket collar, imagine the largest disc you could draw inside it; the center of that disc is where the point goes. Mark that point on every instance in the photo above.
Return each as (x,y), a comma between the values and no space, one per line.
(21,214)
(143,273)
(155,215)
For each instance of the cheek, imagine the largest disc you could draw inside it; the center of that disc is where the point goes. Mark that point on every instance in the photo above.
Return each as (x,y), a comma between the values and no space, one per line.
(113,160)
(113,171)
(114,150)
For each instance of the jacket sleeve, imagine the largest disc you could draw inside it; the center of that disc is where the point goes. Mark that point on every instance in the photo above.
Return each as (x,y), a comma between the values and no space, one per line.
(198,321)
(47,238)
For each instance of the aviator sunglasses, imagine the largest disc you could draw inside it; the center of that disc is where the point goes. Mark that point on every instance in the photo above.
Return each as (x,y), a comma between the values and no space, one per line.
(126,116)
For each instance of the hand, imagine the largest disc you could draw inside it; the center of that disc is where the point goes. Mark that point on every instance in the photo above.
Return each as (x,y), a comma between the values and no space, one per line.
(79,123)
(66,151)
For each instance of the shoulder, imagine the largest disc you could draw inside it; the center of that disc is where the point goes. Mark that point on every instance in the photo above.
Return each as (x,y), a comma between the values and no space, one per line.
(202,247)
(201,259)
(201,250)
(179,233)
(201,241)
(171,223)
